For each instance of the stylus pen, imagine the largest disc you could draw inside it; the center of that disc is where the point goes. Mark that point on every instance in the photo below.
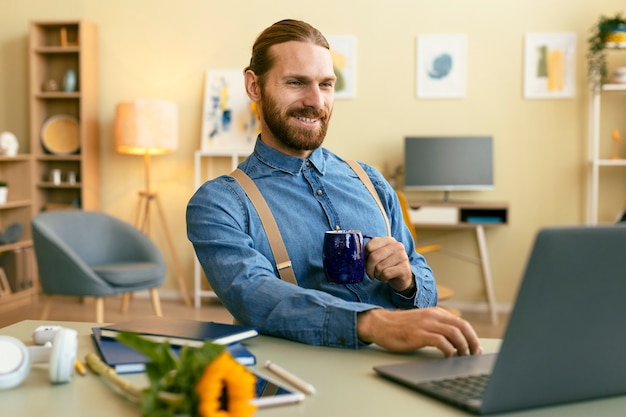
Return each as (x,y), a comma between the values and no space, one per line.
(291,378)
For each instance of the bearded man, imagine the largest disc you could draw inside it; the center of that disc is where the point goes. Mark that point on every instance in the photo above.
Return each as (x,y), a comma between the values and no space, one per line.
(310,190)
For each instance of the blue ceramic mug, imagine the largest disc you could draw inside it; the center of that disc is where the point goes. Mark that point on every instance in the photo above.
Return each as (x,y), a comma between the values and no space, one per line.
(344,256)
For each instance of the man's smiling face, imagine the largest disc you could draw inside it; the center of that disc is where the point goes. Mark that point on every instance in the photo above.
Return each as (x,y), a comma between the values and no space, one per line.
(297,96)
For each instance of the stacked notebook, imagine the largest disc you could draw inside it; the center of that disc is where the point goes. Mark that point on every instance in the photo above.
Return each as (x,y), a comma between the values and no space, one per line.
(177,332)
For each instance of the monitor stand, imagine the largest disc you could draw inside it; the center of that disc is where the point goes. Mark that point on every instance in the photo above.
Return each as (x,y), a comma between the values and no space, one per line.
(446,199)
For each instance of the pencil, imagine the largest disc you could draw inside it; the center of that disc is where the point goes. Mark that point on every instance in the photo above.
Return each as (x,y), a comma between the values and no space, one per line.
(291,378)
(80,368)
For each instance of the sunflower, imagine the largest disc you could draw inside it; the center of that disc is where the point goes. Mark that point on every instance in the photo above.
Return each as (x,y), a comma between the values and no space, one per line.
(225,389)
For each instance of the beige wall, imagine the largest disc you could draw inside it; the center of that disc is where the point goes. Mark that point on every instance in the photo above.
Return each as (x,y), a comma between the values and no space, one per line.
(160,48)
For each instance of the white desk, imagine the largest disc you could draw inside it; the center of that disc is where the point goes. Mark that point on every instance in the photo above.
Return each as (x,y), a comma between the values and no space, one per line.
(346,385)
(465,215)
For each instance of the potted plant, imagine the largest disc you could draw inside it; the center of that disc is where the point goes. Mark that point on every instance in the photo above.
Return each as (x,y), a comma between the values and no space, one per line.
(608,32)
(4,191)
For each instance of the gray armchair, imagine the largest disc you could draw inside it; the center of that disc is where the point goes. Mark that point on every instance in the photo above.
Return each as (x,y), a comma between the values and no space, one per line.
(87,253)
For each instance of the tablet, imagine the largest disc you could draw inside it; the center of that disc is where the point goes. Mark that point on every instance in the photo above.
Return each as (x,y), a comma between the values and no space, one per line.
(270,393)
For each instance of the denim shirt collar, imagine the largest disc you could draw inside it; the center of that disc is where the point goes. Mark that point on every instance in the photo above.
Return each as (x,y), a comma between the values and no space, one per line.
(289,164)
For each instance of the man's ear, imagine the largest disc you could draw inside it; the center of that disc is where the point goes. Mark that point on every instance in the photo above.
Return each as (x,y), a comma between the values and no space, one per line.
(252,86)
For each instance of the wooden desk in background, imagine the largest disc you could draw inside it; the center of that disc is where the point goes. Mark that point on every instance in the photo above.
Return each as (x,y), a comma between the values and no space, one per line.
(465,215)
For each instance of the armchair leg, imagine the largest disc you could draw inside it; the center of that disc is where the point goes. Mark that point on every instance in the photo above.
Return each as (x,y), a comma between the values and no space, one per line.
(99,309)
(125,301)
(156,302)
(47,303)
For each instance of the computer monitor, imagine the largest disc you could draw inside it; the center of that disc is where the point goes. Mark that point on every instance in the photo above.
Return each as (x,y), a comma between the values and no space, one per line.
(448,163)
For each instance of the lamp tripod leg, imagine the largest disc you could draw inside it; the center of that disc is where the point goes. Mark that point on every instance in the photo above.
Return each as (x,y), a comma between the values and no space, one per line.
(142,216)
(179,271)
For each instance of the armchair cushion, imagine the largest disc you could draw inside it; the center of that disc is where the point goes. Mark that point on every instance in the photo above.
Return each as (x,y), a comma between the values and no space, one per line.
(128,274)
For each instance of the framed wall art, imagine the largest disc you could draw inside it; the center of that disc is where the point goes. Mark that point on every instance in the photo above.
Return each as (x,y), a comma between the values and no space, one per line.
(229,118)
(549,65)
(441,66)
(343,51)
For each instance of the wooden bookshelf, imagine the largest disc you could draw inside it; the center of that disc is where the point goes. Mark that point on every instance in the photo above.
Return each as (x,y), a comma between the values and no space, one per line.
(56,48)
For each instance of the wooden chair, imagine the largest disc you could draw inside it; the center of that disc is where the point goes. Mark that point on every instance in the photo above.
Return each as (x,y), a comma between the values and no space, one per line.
(444,292)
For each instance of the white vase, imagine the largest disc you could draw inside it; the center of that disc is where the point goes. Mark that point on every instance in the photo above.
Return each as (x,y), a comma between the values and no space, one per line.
(4,191)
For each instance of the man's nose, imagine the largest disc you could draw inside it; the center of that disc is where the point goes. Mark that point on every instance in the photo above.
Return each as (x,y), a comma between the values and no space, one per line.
(314,97)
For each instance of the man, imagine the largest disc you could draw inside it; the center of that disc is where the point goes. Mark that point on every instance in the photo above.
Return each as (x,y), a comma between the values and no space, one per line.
(310,190)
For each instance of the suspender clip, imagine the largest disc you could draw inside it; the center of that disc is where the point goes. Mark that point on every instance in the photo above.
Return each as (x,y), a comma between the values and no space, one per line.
(283,265)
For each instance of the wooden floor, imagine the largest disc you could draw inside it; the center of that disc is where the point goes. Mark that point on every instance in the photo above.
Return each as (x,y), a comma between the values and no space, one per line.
(72,309)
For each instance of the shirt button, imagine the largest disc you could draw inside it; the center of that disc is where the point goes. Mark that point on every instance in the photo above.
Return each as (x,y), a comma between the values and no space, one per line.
(341,341)
(320,192)
(308,163)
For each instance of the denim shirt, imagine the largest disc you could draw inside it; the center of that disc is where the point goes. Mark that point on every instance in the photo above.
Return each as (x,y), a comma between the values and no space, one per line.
(307,197)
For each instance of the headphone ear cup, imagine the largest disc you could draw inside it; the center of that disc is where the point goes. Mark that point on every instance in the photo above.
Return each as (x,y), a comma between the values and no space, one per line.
(14,362)
(63,355)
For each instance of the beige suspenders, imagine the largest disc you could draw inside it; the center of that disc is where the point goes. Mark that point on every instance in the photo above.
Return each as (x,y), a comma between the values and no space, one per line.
(283,263)
(365,179)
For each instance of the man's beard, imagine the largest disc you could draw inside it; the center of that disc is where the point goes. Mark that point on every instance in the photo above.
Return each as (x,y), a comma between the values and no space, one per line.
(298,138)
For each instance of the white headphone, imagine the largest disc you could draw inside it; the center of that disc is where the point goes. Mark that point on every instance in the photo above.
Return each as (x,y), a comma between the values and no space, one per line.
(16,358)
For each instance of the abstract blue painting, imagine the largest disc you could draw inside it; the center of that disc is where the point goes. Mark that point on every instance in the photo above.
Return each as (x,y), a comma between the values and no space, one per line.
(441,66)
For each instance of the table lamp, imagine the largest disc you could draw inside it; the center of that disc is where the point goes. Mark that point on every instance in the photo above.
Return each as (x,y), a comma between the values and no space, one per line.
(149,127)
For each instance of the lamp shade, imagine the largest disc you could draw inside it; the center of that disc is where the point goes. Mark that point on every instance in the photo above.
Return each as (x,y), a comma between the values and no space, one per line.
(146,127)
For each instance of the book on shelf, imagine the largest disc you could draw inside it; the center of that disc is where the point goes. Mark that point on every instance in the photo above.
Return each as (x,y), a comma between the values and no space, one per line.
(126,360)
(181,331)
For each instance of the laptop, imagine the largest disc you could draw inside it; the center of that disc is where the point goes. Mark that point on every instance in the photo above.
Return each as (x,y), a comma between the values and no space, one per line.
(565,338)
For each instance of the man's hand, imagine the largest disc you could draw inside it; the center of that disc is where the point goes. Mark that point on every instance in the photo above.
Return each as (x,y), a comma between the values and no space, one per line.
(388,262)
(406,330)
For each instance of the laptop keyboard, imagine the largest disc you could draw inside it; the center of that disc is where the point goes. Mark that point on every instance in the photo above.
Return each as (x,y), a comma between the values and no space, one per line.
(463,390)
